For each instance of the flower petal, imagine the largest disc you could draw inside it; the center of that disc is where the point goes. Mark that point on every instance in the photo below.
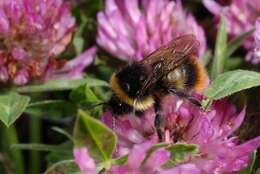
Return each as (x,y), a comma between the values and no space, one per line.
(183,169)
(74,68)
(3,74)
(248,147)
(84,161)
(4,24)
(213,6)
(158,158)
(137,155)
(21,77)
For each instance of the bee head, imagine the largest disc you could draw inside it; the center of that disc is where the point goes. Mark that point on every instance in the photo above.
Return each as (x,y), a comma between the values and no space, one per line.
(131,79)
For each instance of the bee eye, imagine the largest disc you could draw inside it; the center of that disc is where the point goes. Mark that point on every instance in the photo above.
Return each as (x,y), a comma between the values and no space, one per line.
(127,86)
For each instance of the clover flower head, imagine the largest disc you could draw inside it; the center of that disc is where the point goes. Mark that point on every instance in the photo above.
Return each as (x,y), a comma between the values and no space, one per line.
(130,30)
(240,16)
(254,54)
(32,34)
(212,132)
(137,162)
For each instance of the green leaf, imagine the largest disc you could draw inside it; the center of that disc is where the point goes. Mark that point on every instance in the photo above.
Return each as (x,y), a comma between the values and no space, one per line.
(78,43)
(237,41)
(249,169)
(41,147)
(206,104)
(60,85)
(220,50)
(62,132)
(179,152)
(46,102)
(103,70)
(93,7)
(65,166)
(231,82)
(54,157)
(102,93)
(12,106)
(233,63)
(58,111)
(84,94)
(87,100)
(97,137)
(207,57)
(92,102)
(121,160)
(103,166)
(155,147)
(78,94)
(90,96)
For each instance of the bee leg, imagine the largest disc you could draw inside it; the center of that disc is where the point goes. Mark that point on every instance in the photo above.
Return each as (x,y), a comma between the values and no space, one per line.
(114,129)
(184,95)
(157,124)
(157,120)
(113,123)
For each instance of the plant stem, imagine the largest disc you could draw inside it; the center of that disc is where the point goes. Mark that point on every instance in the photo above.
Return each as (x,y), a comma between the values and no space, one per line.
(10,137)
(35,136)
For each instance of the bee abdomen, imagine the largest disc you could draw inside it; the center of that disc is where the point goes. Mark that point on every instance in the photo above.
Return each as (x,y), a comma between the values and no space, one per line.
(191,75)
(196,77)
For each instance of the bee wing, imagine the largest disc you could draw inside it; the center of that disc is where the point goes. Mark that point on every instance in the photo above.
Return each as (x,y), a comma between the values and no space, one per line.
(168,57)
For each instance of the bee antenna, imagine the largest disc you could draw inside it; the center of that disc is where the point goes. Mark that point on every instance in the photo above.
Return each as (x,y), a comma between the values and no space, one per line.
(103,103)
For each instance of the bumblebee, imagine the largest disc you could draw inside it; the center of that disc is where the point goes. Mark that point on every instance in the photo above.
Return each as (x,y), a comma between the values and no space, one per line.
(173,69)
